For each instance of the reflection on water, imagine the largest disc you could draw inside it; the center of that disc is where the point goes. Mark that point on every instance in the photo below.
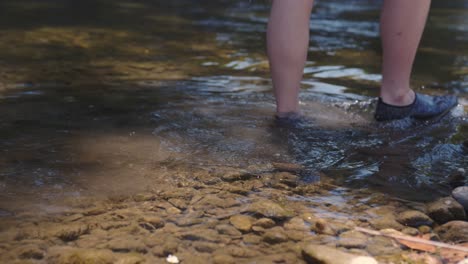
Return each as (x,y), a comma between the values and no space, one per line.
(98,103)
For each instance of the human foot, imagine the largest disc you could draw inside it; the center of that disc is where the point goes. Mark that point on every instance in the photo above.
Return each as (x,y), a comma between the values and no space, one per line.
(423,107)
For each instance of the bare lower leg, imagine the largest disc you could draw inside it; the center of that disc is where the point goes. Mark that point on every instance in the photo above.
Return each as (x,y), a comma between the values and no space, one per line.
(287,40)
(402,25)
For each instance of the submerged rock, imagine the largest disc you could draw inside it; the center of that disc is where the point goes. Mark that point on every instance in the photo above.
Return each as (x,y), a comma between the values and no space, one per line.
(268,209)
(352,239)
(242,222)
(461,195)
(414,218)
(454,231)
(445,210)
(275,235)
(327,255)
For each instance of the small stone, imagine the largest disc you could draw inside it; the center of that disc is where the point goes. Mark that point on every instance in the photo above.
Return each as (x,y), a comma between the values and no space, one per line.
(352,239)
(143,197)
(275,235)
(151,222)
(242,222)
(223,259)
(252,239)
(386,222)
(233,175)
(126,245)
(172,259)
(66,255)
(265,223)
(29,252)
(454,231)
(445,210)
(424,229)
(327,255)
(380,246)
(323,227)
(296,223)
(205,247)
(414,218)
(70,232)
(411,231)
(461,195)
(228,230)
(268,209)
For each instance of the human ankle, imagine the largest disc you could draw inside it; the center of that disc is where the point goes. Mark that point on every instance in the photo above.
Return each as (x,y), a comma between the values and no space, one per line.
(399,99)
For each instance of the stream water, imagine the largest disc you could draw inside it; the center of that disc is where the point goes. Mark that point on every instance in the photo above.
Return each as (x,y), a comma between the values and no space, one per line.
(99,98)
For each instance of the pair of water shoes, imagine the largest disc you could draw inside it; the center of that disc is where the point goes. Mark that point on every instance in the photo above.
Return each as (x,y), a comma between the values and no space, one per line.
(423,107)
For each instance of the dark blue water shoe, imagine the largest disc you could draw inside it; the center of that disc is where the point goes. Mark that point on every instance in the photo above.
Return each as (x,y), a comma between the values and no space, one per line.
(423,107)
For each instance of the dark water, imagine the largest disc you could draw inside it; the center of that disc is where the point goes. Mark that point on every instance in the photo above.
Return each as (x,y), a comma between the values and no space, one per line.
(96,96)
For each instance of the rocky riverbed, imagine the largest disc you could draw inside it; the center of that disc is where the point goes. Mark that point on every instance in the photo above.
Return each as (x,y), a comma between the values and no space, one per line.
(226,215)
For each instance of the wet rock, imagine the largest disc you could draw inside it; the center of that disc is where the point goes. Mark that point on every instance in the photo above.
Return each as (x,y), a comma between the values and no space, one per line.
(29,252)
(70,232)
(151,222)
(223,259)
(126,245)
(296,235)
(144,197)
(296,223)
(228,230)
(113,225)
(352,239)
(235,175)
(236,251)
(73,218)
(170,246)
(242,222)
(179,203)
(445,210)
(96,210)
(328,255)
(380,246)
(414,218)
(205,247)
(385,222)
(252,239)
(265,223)
(66,255)
(411,231)
(275,235)
(461,195)
(323,227)
(288,167)
(202,235)
(268,209)
(286,178)
(454,231)
(424,229)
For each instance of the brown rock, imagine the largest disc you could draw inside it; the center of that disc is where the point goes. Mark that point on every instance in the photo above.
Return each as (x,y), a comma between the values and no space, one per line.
(275,235)
(242,222)
(265,223)
(352,239)
(445,210)
(228,230)
(327,255)
(414,218)
(126,245)
(454,231)
(268,209)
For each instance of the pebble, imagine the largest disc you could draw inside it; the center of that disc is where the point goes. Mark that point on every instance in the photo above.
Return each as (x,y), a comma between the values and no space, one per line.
(352,239)
(242,222)
(172,259)
(461,195)
(454,231)
(268,209)
(445,210)
(328,255)
(414,218)
(275,235)
(265,223)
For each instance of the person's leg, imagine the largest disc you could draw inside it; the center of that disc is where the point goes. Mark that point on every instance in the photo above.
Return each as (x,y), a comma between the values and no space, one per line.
(287,40)
(402,25)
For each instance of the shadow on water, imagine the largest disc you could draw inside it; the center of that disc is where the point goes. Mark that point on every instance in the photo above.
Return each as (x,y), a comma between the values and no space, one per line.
(97,95)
